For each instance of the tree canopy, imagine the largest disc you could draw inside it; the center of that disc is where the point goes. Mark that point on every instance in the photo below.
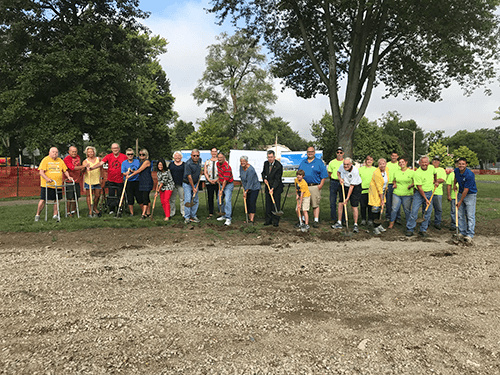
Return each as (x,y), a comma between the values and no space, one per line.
(76,67)
(236,83)
(413,48)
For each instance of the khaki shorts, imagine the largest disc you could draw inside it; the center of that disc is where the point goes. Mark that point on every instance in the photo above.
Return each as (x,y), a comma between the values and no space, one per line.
(306,203)
(315,196)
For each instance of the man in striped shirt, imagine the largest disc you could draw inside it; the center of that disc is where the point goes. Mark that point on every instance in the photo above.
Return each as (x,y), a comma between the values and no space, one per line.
(226,187)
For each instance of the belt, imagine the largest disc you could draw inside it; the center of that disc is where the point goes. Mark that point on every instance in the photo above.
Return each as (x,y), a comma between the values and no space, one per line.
(312,184)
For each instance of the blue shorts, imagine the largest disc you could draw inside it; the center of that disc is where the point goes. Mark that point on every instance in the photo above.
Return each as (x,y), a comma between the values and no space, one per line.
(94,187)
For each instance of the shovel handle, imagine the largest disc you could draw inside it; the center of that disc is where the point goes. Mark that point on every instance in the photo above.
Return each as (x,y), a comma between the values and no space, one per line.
(430,200)
(269,190)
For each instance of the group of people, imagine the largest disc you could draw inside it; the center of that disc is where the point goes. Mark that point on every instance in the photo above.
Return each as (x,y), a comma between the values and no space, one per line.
(390,186)
(393,185)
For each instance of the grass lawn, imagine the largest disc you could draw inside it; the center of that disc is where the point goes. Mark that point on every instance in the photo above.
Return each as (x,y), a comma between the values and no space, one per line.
(21,217)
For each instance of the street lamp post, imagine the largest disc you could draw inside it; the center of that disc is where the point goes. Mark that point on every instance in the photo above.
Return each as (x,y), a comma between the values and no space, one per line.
(413,131)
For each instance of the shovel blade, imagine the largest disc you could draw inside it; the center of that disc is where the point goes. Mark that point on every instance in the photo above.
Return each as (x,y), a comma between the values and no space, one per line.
(279,213)
(189,204)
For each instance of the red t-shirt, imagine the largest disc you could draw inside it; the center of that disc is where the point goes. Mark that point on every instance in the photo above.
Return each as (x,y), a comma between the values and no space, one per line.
(115,167)
(71,163)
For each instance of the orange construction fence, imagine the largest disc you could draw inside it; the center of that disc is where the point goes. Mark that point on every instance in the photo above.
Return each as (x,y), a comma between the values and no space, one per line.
(25,182)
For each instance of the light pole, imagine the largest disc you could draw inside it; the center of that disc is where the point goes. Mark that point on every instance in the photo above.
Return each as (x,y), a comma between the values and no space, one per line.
(413,131)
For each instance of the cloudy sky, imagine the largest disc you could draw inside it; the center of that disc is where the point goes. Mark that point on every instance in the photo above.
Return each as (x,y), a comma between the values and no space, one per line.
(189,30)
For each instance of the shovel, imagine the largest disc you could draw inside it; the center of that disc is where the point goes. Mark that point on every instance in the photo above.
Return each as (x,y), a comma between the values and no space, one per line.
(119,209)
(191,204)
(275,212)
(219,201)
(302,227)
(91,201)
(344,203)
(430,200)
(154,201)
(246,210)
(456,217)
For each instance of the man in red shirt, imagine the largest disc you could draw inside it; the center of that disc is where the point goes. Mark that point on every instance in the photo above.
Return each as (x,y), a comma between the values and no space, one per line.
(115,177)
(226,187)
(74,164)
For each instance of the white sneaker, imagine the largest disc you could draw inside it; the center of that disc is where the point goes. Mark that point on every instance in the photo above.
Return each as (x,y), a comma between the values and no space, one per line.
(37,217)
(221,218)
(228,222)
(376,231)
(381,228)
(337,225)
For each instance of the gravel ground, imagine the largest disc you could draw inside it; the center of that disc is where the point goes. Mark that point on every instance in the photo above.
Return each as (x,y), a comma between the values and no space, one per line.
(210,300)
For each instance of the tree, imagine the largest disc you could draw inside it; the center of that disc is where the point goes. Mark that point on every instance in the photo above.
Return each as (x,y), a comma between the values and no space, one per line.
(326,136)
(497,117)
(433,137)
(179,133)
(468,154)
(211,133)
(234,82)
(484,150)
(399,140)
(369,140)
(438,148)
(413,48)
(84,68)
(266,133)
(493,137)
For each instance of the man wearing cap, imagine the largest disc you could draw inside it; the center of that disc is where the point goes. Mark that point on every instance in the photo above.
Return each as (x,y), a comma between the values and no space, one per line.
(315,176)
(437,200)
(335,191)
(392,166)
(466,200)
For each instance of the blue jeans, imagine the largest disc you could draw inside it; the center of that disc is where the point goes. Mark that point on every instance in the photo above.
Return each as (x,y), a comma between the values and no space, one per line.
(418,201)
(189,212)
(228,196)
(453,208)
(388,203)
(397,202)
(335,191)
(437,206)
(467,215)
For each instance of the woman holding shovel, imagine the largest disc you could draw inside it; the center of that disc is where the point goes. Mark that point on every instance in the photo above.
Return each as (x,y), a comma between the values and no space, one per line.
(165,186)
(145,182)
(251,187)
(376,193)
(92,180)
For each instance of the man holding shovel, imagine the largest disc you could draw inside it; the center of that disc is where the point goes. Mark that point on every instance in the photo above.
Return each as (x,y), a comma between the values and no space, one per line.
(423,180)
(350,182)
(190,183)
(226,183)
(272,174)
(466,200)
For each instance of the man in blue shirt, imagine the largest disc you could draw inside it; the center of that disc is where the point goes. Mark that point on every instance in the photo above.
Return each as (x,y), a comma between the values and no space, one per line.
(128,167)
(466,200)
(315,176)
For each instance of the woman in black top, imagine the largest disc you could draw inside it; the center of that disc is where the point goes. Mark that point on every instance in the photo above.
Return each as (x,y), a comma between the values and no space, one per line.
(145,182)
(177,170)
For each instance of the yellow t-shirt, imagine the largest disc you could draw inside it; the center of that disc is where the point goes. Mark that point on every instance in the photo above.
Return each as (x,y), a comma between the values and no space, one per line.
(94,177)
(333,168)
(54,169)
(302,187)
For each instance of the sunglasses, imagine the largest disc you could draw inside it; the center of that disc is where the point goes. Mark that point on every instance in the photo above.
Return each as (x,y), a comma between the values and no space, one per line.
(339,152)
(142,154)
(196,156)
(130,154)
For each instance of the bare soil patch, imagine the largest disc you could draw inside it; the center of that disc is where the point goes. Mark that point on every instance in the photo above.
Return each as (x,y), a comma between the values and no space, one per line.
(212,300)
